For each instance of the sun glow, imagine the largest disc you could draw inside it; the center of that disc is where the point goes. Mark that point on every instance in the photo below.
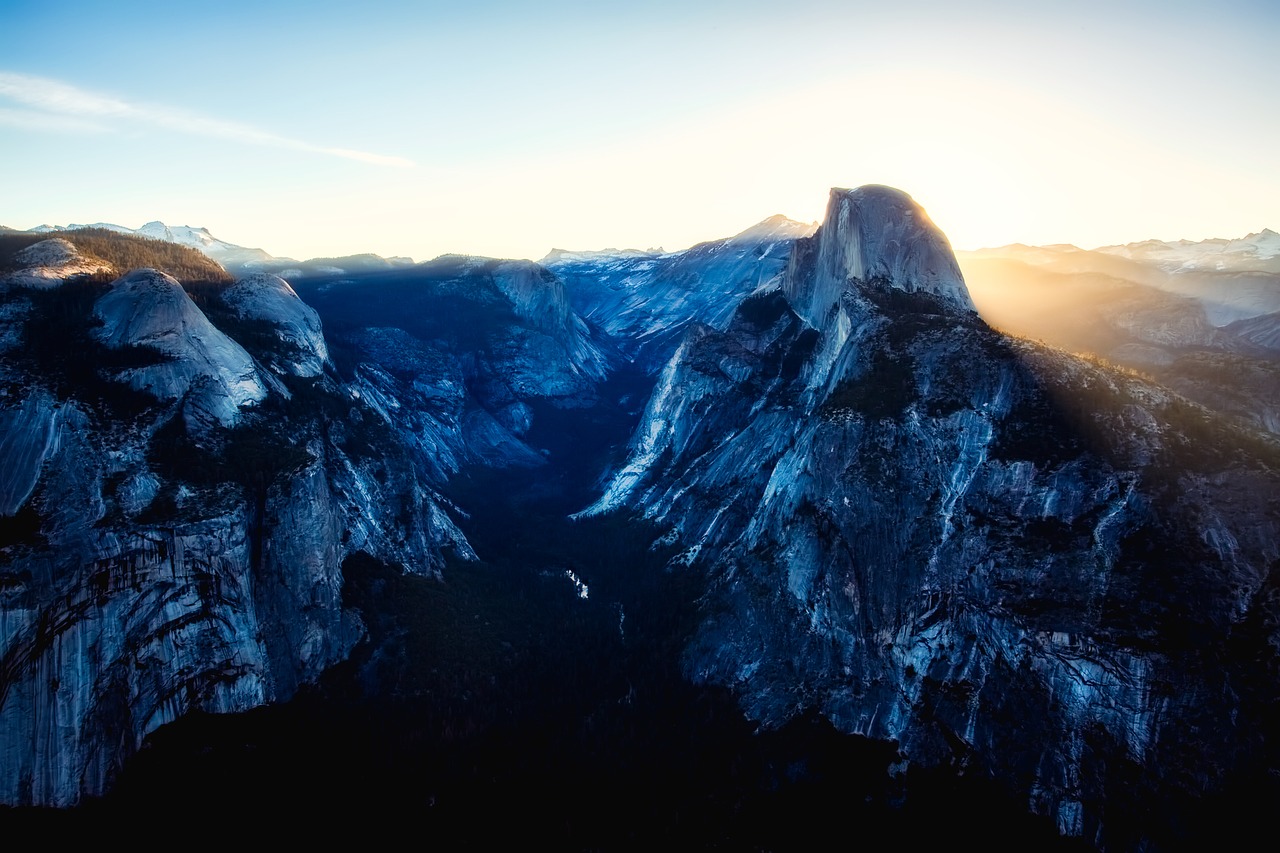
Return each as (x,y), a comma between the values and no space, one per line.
(1090,124)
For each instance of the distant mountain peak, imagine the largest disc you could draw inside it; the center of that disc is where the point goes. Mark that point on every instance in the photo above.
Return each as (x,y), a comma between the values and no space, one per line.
(563,255)
(1258,251)
(776,227)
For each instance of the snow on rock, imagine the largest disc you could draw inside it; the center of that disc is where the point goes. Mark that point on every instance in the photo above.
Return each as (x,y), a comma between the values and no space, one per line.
(267,297)
(149,309)
(556,256)
(1252,252)
(50,262)
(227,254)
(776,227)
(648,301)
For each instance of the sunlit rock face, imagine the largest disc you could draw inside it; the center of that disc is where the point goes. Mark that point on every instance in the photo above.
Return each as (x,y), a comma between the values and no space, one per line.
(1000,556)
(647,300)
(269,299)
(149,309)
(49,263)
(172,533)
(870,234)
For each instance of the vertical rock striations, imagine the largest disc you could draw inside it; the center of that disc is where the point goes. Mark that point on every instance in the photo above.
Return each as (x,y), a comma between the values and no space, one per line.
(172,525)
(1004,558)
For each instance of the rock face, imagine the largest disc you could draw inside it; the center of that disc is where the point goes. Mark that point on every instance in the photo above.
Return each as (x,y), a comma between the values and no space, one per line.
(173,528)
(49,262)
(268,299)
(147,308)
(873,234)
(1000,556)
(647,300)
(459,353)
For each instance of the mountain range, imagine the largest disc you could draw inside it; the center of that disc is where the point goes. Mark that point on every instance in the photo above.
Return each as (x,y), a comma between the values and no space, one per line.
(239,260)
(708,542)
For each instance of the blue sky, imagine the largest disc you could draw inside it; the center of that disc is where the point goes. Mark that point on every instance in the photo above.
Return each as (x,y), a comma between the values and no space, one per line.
(505,129)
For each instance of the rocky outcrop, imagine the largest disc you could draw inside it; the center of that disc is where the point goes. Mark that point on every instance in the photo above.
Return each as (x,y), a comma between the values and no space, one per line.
(28,434)
(179,549)
(458,354)
(871,234)
(647,300)
(49,263)
(268,299)
(149,309)
(1004,558)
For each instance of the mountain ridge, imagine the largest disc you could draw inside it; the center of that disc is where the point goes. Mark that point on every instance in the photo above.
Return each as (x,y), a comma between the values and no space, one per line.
(873,509)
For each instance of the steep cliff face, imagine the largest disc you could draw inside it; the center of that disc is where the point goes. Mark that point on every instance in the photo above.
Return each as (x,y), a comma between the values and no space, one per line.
(1002,557)
(173,528)
(646,301)
(460,353)
(872,234)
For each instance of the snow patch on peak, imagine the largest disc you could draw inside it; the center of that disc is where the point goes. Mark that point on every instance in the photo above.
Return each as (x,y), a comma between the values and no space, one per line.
(1259,251)
(185,235)
(776,227)
(558,256)
(48,252)
(227,254)
(105,226)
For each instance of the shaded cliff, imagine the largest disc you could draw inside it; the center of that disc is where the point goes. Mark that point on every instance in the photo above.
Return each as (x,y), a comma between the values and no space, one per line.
(645,301)
(175,516)
(1004,558)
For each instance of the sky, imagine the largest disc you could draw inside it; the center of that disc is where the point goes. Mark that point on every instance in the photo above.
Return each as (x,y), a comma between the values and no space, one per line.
(507,129)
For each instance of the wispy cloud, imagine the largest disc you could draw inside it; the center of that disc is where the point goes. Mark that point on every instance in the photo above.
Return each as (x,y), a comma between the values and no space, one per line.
(53,105)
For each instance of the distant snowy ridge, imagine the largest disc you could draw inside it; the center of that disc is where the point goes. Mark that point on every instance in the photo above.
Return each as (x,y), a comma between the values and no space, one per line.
(242,261)
(776,227)
(229,255)
(1257,252)
(567,255)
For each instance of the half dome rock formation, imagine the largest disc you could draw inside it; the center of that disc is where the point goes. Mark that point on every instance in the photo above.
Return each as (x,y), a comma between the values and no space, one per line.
(1002,557)
(149,309)
(869,510)
(873,235)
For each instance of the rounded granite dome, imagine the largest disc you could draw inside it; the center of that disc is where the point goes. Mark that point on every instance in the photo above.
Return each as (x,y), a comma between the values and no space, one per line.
(269,298)
(149,308)
(875,234)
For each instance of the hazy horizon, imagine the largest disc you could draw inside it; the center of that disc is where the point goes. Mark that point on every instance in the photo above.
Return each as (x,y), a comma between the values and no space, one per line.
(506,130)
